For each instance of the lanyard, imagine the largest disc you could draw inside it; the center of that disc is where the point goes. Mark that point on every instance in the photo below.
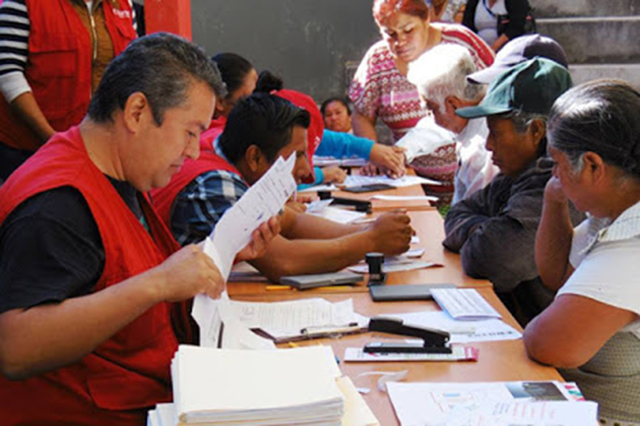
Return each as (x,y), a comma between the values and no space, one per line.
(486,6)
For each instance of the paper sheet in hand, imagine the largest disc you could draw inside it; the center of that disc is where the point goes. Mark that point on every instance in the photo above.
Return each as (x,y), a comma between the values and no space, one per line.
(264,199)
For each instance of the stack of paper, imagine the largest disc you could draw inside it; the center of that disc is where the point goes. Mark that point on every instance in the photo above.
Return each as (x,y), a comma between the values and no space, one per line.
(271,387)
(464,304)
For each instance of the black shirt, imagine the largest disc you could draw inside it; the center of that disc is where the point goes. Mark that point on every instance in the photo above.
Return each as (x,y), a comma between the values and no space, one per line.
(51,249)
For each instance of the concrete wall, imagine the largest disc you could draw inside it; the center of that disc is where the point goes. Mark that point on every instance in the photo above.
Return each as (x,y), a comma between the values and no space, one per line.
(307,42)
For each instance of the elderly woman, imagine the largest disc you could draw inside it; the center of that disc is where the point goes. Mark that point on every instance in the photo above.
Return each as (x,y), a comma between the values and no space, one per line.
(592,329)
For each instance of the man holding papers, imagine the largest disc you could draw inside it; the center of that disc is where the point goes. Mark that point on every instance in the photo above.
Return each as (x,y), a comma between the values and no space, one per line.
(89,272)
(259,130)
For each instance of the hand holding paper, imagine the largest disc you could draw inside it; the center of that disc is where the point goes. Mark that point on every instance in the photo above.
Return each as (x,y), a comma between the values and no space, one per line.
(260,239)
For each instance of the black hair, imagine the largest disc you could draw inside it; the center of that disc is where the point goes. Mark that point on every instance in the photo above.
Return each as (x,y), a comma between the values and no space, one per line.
(263,120)
(162,66)
(341,99)
(600,116)
(233,69)
(268,82)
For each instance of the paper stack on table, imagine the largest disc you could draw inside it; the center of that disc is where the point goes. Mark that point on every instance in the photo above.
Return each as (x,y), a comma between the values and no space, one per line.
(279,387)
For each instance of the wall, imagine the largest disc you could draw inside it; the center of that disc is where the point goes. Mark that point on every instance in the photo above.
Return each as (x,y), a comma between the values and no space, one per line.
(307,42)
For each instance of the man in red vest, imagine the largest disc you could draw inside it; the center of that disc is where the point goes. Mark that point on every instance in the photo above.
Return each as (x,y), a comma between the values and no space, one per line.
(260,129)
(89,273)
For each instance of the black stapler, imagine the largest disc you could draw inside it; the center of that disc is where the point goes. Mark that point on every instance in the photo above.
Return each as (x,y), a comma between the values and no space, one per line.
(434,341)
(360,205)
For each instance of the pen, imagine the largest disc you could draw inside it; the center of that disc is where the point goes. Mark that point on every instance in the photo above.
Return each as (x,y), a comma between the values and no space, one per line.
(330,329)
(278,287)
(334,287)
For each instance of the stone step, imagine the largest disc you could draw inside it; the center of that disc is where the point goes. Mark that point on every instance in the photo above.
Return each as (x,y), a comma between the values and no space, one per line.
(596,40)
(626,72)
(555,8)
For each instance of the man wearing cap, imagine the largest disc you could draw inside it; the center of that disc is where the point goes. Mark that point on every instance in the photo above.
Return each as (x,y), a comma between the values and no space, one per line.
(260,129)
(519,50)
(444,89)
(494,230)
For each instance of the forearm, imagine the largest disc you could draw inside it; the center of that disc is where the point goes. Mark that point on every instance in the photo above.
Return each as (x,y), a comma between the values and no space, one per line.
(553,244)
(50,336)
(500,41)
(340,145)
(500,250)
(296,257)
(363,126)
(26,107)
(306,226)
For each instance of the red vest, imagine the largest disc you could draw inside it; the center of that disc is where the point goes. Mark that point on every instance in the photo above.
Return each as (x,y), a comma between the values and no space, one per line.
(208,137)
(163,198)
(130,372)
(59,65)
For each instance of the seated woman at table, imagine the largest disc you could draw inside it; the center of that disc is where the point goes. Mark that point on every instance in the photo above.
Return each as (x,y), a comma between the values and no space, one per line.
(336,114)
(592,329)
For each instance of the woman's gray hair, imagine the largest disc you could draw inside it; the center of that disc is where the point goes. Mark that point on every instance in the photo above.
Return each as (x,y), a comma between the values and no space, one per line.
(442,72)
(600,116)
(162,66)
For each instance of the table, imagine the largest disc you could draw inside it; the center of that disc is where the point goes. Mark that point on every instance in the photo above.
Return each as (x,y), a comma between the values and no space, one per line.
(430,229)
(498,361)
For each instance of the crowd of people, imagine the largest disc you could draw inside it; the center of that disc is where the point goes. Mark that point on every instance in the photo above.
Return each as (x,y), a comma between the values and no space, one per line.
(119,154)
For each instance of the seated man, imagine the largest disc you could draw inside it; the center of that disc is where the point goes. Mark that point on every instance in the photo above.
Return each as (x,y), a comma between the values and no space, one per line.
(494,229)
(89,272)
(445,89)
(260,129)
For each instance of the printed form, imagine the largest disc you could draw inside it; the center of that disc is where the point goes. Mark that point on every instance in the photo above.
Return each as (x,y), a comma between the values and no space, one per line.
(263,200)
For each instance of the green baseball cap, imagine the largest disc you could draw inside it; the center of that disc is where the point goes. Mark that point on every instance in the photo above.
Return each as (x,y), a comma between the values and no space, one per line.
(531,86)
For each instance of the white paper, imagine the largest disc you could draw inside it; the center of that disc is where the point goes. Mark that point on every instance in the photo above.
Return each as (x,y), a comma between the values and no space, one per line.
(264,199)
(287,319)
(358,180)
(336,214)
(403,197)
(464,303)
(429,404)
(552,413)
(461,331)
(327,187)
(403,265)
(318,205)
